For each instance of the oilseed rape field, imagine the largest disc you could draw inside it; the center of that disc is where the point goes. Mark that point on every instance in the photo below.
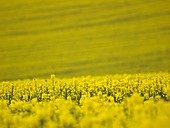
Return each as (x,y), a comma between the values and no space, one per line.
(109,60)
(83,37)
(112,101)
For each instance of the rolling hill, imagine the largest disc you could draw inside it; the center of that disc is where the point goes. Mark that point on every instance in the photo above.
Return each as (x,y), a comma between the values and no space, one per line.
(73,38)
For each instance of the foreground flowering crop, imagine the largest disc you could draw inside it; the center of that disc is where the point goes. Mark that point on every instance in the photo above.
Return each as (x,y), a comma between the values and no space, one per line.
(113,101)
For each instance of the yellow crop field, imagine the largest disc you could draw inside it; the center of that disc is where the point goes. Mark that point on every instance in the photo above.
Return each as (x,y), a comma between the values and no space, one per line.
(110,61)
(112,101)
(83,37)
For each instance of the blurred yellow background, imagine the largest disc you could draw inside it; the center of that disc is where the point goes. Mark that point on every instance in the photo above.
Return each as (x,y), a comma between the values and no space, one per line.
(73,38)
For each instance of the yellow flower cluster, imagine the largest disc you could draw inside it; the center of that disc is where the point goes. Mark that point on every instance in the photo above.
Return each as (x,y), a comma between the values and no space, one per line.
(113,101)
